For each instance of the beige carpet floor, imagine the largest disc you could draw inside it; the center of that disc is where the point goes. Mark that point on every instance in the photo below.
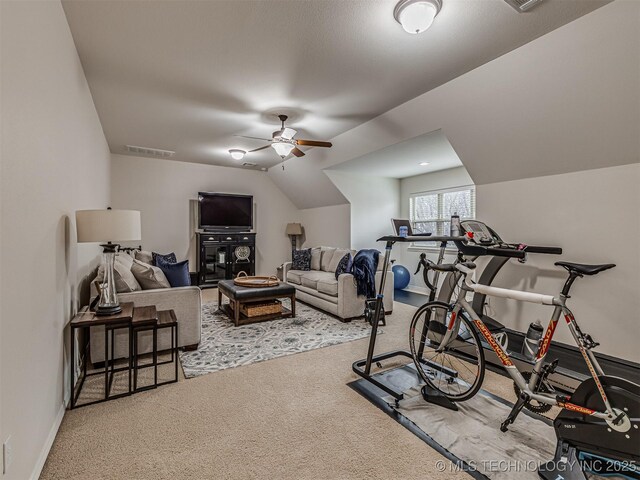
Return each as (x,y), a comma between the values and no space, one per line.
(292,417)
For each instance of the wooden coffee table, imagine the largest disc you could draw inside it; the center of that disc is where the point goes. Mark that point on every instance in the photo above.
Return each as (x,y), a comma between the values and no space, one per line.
(239,296)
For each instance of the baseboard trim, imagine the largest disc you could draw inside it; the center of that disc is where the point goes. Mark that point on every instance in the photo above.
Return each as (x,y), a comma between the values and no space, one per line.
(46,448)
(417,289)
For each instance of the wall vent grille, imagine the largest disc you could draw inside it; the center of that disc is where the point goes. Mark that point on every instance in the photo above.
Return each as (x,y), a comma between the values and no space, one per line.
(151,152)
(248,164)
(523,5)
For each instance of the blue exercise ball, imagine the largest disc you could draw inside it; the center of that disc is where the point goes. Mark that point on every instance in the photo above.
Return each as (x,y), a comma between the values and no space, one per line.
(401,277)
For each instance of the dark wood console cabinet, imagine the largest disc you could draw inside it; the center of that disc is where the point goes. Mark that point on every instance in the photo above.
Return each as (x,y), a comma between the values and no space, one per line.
(221,256)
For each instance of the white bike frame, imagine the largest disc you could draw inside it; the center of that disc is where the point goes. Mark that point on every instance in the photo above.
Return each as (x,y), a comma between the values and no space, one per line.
(560,308)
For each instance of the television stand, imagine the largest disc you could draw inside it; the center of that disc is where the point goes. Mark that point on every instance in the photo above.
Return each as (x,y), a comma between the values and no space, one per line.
(223,255)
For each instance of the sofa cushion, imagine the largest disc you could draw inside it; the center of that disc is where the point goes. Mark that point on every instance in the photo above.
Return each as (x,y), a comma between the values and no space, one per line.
(148,276)
(125,280)
(316,256)
(293,276)
(144,256)
(302,259)
(327,255)
(177,273)
(328,286)
(336,258)
(310,279)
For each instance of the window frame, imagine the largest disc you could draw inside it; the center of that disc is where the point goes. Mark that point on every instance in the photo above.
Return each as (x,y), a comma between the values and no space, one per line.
(440,193)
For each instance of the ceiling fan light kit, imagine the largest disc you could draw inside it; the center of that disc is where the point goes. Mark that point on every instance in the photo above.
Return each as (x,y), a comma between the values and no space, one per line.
(416,16)
(283,142)
(283,148)
(237,154)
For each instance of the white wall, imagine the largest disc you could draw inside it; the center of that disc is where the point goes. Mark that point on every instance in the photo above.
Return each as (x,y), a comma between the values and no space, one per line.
(163,191)
(55,160)
(330,226)
(563,102)
(595,217)
(453,177)
(374,202)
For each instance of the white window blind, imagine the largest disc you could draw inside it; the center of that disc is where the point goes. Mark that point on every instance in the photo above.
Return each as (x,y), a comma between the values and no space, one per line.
(430,212)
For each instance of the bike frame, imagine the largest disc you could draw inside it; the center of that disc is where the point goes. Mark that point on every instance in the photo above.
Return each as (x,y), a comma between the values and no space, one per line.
(528,388)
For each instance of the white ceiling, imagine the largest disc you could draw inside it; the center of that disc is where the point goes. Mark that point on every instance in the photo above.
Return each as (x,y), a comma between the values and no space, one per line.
(188,75)
(403,159)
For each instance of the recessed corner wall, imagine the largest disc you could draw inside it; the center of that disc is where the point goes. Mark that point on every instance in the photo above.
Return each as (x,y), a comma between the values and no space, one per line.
(55,160)
(165,190)
(330,226)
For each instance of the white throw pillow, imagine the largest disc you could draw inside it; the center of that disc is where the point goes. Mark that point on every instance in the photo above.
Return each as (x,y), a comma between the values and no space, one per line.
(316,256)
(327,255)
(148,276)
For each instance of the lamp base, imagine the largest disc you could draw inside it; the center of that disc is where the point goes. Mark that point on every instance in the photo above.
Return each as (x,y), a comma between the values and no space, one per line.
(106,311)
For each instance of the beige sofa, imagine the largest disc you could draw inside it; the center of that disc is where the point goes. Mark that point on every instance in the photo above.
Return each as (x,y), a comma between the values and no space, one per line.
(186,302)
(320,288)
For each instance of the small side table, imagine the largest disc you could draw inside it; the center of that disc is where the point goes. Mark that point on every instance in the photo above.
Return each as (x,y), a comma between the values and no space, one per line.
(148,319)
(83,321)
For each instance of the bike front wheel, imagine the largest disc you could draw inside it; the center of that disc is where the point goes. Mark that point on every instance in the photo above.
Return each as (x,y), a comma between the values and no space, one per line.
(456,370)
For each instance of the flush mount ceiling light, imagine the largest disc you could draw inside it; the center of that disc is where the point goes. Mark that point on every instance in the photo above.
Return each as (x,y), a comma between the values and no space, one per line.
(416,16)
(424,164)
(283,148)
(237,154)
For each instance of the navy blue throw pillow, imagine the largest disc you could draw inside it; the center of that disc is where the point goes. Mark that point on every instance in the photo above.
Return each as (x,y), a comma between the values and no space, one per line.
(168,258)
(302,260)
(344,266)
(176,273)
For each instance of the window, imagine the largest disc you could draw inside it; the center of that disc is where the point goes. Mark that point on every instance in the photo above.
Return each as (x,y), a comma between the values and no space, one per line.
(430,212)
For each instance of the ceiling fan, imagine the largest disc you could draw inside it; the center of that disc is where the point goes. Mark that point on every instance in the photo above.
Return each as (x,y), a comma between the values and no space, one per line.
(283,142)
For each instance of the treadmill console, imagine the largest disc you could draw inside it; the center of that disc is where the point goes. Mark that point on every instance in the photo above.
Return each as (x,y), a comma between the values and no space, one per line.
(482,234)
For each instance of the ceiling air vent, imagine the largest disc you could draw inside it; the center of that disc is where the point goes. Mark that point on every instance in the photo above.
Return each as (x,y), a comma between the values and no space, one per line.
(151,152)
(523,5)
(248,164)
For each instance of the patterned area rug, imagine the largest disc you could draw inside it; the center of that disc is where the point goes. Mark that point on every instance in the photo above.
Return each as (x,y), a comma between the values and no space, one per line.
(224,345)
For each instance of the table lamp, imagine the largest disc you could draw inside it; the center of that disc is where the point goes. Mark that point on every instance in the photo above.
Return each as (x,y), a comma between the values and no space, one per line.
(294,230)
(95,226)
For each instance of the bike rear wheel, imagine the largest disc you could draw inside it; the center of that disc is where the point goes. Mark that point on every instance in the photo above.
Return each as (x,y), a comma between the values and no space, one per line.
(455,370)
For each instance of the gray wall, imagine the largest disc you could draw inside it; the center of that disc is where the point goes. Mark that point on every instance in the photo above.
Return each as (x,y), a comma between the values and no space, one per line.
(55,161)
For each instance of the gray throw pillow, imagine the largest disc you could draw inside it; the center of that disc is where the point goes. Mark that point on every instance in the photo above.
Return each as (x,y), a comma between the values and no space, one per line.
(316,255)
(124,279)
(144,256)
(148,276)
(327,255)
(335,259)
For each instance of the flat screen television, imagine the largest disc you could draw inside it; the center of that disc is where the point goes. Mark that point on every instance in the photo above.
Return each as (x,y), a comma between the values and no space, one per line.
(224,211)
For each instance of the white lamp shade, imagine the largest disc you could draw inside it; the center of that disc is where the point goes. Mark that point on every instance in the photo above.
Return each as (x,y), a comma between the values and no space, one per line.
(282,148)
(108,225)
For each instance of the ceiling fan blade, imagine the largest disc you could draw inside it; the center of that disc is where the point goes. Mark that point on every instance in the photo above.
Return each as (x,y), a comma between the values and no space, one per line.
(314,143)
(258,149)
(287,133)
(297,152)
(254,138)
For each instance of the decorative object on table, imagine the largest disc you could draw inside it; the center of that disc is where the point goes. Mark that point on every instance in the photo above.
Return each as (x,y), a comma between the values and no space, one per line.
(224,345)
(167,257)
(344,265)
(94,226)
(401,277)
(302,260)
(242,253)
(294,230)
(177,273)
(243,280)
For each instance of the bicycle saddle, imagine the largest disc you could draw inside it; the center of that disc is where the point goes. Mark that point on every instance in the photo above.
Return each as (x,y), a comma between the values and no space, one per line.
(581,269)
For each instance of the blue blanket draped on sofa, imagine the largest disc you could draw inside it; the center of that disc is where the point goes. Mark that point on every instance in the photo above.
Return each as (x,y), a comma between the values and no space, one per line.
(365,264)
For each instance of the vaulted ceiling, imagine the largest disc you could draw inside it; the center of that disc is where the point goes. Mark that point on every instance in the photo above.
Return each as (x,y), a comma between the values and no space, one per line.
(189,75)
